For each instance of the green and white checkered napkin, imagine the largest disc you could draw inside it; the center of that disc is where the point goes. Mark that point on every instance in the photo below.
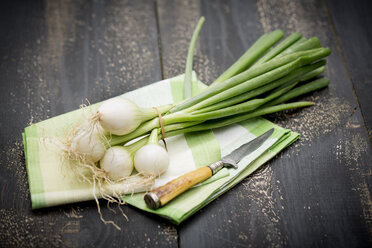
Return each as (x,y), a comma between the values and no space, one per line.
(52,182)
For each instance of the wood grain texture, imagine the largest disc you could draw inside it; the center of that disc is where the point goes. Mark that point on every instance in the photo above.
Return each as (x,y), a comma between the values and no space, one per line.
(317,192)
(352,22)
(179,185)
(54,55)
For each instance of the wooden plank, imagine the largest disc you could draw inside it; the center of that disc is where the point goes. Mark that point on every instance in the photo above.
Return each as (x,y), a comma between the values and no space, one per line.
(54,54)
(352,23)
(214,51)
(315,193)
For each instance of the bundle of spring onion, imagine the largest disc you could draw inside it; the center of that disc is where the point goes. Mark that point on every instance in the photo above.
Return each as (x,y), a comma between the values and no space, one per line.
(122,136)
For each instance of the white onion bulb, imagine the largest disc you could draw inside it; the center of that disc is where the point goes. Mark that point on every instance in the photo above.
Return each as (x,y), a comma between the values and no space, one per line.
(119,116)
(151,159)
(88,144)
(117,162)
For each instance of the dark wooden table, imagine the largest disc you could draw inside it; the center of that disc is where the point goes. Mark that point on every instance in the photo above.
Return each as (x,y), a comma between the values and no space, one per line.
(317,193)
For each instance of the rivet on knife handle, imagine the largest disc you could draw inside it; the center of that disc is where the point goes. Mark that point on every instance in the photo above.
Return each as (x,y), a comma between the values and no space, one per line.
(162,195)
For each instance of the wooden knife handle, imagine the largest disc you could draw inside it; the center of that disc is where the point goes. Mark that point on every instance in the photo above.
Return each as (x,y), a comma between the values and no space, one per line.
(162,195)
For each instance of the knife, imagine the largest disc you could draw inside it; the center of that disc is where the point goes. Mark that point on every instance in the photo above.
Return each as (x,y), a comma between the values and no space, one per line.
(164,194)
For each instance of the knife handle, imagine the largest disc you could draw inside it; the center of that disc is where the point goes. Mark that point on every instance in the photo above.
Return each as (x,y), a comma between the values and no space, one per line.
(162,195)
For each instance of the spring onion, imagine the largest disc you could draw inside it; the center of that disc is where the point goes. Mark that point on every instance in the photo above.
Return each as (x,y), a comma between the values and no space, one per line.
(299,58)
(309,44)
(301,90)
(212,124)
(86,145)
(288,72)
(293,76)
(190,55)
(119,145)
(279,48)
(117,163)
(120,116)
(251,55)
(261,82)
(151,159)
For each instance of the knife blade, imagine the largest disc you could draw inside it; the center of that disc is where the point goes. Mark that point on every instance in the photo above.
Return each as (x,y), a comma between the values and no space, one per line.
(164,194)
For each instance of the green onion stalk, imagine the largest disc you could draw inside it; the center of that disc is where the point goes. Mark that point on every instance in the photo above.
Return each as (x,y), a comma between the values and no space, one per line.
(262,81)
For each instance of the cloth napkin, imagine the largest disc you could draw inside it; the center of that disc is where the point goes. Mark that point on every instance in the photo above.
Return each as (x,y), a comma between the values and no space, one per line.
(52,181)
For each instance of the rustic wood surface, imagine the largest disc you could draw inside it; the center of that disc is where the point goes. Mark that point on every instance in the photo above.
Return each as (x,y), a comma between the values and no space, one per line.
(316,193)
